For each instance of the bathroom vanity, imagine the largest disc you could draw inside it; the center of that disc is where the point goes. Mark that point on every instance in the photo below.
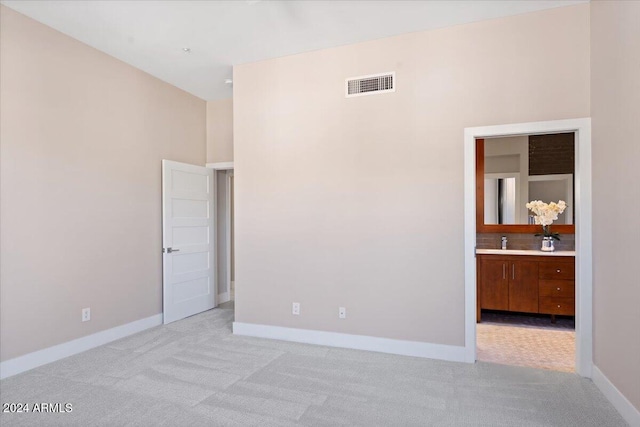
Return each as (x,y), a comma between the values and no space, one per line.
(526,281)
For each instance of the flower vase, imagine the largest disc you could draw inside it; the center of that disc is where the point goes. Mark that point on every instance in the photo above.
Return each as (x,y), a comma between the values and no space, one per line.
(547,244)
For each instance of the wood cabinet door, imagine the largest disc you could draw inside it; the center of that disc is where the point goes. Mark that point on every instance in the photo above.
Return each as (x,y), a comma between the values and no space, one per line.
(557,269)
(523,286)
(494,284)
(556,288)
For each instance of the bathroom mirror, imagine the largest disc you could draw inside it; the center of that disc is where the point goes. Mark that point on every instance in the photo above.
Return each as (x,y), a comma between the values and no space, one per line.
(511,171)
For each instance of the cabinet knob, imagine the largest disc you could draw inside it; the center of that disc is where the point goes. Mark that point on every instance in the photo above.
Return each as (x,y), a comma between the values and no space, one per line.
(558,288)
(558,271)
(558,305)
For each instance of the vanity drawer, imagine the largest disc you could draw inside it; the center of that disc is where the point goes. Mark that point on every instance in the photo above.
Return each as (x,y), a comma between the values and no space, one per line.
(557,305)
(556,288)
(561,270)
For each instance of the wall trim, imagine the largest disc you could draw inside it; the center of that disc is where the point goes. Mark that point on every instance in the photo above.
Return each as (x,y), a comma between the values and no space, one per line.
(220,165)
(32,360)
(358,342)
(629,412)
(583,212)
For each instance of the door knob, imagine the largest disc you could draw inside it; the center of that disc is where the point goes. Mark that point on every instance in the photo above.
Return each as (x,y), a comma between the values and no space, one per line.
(170,250)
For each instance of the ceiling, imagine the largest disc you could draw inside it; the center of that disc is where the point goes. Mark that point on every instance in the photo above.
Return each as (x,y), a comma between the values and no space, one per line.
(151,35)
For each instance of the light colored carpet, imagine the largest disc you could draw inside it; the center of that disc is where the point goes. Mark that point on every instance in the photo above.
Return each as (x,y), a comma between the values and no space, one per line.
(196,373)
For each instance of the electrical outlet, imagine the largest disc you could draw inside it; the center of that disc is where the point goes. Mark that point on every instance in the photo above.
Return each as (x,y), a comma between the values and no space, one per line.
(86,314)
(295,308)
(342,312)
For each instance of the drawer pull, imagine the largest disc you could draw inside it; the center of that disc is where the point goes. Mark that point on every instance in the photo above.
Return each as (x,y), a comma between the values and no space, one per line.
(558,271)
(558,305)
(558,288)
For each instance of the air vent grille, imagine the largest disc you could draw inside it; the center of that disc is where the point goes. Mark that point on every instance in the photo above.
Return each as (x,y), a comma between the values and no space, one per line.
(369,85)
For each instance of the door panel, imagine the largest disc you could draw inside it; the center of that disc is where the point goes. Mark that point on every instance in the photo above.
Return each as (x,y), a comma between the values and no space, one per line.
(523,286)
(494,293)
(188,240)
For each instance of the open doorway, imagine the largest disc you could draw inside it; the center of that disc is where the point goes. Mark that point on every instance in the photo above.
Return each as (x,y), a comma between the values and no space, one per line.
(224,221)
(525,297)
(519,274)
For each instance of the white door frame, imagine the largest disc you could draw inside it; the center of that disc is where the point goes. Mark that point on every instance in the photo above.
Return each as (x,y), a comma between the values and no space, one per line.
(583,212)
(228,230)
(223,166)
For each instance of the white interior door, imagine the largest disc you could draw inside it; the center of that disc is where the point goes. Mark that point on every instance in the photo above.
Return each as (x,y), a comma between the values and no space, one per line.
(188,240)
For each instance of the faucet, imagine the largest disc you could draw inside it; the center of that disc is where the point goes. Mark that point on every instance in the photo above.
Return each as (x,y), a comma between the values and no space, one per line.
(504,242)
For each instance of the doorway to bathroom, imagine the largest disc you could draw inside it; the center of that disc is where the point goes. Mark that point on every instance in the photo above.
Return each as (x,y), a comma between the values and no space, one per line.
(525,297)
(526,277)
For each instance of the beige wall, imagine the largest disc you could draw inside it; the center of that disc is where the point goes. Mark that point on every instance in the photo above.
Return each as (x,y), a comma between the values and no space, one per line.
(220,131)
(615,106)
(359,202)
(82,138)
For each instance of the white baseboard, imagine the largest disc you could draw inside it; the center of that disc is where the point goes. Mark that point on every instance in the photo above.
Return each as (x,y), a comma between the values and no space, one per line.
(358,342)
(224,297)
(29,361)
(629,412)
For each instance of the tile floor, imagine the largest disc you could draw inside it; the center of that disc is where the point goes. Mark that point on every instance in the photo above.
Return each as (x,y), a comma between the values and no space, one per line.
(523,340)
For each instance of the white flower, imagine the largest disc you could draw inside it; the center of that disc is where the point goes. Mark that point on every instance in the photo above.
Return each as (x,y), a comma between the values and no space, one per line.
(545,213)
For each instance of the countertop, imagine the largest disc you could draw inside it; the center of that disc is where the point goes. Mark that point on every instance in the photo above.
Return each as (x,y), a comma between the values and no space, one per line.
(523,252)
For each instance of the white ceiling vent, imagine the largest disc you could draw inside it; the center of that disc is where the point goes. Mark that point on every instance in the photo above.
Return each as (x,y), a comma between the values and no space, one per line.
(370,85)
